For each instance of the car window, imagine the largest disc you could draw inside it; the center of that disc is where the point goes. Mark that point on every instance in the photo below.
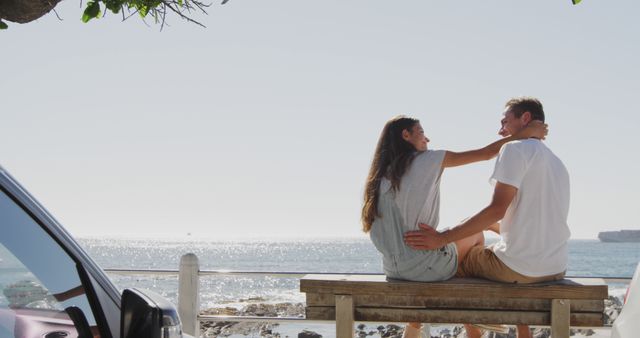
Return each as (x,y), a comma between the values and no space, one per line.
(41,290)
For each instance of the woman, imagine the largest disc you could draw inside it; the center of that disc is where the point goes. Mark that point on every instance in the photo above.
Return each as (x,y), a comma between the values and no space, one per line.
(403,190)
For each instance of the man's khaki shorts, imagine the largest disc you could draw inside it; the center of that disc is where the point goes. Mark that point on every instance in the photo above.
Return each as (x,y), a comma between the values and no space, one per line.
(483,263)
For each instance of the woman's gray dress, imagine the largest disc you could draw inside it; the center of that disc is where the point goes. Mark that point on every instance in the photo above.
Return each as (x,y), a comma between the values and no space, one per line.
(417,201)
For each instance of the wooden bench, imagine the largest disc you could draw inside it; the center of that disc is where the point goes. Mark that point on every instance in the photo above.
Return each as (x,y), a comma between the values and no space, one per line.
(374,298)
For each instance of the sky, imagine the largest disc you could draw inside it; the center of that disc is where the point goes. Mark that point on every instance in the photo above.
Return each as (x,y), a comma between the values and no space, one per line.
(264,122)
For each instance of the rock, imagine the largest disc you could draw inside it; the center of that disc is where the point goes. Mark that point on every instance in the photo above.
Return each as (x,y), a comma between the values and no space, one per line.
(262,310)
(225,329)
(309,334)
(612,308)
(226,311)
(267,331)
(615,301)
(542,333)
(262,329)
(510,334)
(274,310)
(360,331)
(210,332)
(610,314)
(392,331)
(584,332)
(290,309)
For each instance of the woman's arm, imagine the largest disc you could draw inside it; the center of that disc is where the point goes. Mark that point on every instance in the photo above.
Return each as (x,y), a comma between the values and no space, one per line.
(535,129)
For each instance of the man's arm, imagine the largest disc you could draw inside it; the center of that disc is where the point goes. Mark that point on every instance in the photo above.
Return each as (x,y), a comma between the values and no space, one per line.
(535,129)
(428,238)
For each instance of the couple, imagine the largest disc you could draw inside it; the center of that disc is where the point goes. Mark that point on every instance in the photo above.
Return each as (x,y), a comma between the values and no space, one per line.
(531,199)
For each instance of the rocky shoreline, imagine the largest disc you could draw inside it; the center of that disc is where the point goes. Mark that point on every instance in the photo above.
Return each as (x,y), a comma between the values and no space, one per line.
(263,329)
(256,307)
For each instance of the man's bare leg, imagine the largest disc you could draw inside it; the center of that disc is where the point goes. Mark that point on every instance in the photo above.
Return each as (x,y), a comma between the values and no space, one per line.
(412,330)
(524,331)
(464,245)
(472,331)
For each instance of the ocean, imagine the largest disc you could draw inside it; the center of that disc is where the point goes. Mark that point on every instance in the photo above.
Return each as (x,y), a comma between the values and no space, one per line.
(586,258)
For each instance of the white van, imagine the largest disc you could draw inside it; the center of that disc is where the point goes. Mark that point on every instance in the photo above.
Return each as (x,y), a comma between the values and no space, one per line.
(627,324)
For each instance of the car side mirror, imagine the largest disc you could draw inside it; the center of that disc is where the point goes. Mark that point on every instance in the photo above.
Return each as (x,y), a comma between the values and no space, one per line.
(148,315)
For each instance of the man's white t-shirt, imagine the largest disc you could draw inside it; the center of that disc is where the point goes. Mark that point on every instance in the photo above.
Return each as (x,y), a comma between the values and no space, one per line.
(534,229)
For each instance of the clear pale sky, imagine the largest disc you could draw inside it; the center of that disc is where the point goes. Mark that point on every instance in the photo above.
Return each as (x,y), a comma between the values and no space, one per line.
(265,122)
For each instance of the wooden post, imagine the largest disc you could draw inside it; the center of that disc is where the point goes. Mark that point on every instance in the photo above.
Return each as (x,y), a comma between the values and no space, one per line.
(188,290)
(344,316)
(560,318)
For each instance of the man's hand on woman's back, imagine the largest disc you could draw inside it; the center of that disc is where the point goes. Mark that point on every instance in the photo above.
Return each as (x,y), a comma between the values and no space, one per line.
(427,238)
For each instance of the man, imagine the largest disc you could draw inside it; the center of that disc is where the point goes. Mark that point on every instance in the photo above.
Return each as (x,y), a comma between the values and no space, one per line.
(531,197)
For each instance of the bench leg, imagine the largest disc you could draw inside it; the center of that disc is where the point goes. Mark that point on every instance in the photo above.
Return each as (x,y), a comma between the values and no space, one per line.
(344,316)
(560,318)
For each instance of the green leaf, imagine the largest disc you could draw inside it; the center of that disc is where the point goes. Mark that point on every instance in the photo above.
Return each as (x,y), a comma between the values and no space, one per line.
(143,10)
(575,2)
(3,25)
(113,5)
(92,11)
(180,3)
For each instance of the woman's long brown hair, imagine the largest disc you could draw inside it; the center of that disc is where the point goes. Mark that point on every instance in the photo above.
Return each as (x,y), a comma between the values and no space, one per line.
(391,159)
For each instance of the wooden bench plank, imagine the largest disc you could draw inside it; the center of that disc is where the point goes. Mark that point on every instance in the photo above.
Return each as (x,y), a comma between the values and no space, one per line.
(454,288)
(454,316)
(583,305)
